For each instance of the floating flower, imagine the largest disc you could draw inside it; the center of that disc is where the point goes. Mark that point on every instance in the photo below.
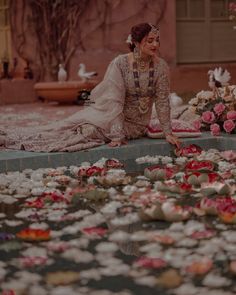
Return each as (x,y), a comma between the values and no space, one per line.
(91,171)
(205,234)
(216,281)
(194,165)
(32,261)
(113,180)
(113,164)
(58,246)
(148,262)
(163,239)
(229,155)
(188,151)
(227,217)
(158,172)
(232,267)
(98,231)
(34,235)
(167,211)
(46,198)
(169,279)
(199,267)
(8,292)
(196,178)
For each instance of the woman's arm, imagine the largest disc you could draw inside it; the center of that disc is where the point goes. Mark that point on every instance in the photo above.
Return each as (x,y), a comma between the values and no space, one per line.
(162,103)
(117,135)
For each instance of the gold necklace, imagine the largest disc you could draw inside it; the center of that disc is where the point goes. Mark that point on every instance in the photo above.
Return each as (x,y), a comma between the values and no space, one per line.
(144,101)
(142,64)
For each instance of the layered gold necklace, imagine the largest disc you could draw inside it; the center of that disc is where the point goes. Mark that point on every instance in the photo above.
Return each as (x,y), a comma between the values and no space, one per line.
(145,102)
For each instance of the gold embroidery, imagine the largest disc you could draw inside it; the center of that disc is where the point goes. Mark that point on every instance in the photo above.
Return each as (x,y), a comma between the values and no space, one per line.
(144,104)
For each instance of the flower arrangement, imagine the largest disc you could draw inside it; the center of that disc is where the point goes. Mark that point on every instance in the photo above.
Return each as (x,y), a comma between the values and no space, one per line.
(216,113)
(232,12)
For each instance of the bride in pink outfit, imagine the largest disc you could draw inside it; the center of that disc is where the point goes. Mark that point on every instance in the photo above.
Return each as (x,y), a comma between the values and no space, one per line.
(122,108)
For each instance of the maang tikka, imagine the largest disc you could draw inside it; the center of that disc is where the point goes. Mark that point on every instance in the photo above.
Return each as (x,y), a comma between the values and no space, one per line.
(154,29)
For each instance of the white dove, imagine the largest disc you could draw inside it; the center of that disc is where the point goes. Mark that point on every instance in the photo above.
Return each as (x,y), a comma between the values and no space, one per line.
(85,75)
(62,74)
(175,100)
(218,78)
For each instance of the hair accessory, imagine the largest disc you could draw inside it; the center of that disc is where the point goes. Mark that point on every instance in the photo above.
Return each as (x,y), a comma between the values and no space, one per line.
(129,39)
(154,29)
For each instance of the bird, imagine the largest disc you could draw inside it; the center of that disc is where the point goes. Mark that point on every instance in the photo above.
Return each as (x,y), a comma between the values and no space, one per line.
(175,100)
(85,75)
(218,78)
(62,74)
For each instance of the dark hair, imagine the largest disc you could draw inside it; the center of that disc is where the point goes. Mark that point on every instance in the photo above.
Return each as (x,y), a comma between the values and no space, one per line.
(138,32)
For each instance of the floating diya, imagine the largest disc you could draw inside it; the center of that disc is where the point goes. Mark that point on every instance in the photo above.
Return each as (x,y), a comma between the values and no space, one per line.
(34,235)
(199,267)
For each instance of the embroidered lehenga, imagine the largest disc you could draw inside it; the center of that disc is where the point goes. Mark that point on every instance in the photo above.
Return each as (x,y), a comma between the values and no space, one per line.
(115,114)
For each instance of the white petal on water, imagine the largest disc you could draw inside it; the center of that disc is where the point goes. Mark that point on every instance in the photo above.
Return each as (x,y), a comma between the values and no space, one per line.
(13,222)
(28,277)
(215,280)
(106,247)
(125,220)
(186,289)
(139,236)
(37,290)
(63,290)
(78,256)
(189,243)
(3,273)
(41,225)
(110,208)
(90,274)
(7,199)
(15,285)
(119,236)
(149,281)
(35,251)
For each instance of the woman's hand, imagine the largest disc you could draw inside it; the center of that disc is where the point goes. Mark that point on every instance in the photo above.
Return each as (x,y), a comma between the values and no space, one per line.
(172,139)
(115,143)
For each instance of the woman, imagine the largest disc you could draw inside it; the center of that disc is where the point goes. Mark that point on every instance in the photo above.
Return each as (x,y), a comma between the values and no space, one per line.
(122,108)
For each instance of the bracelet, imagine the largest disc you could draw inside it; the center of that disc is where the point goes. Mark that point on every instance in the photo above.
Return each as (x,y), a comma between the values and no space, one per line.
(167,134)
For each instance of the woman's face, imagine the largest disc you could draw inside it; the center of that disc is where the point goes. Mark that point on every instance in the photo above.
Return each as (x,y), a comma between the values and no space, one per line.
(150,44)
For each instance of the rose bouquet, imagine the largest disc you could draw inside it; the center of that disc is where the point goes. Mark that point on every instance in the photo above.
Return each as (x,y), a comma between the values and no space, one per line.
(216,114)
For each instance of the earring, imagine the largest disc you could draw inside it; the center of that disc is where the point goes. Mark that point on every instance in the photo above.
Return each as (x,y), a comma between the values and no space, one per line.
(136,53)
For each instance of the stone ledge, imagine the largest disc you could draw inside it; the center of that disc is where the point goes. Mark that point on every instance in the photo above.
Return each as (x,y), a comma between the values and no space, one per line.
(20,160)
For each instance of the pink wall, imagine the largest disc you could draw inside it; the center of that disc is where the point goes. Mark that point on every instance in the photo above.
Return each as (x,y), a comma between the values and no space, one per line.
(102,45)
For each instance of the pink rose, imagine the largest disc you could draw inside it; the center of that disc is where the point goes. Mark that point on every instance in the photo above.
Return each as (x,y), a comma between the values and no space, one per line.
(208,117)
(219,108)
(231,115)
(215,129)
(229,126)
(197,124)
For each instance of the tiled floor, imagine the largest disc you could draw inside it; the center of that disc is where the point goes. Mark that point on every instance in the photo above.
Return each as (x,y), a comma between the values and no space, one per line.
(34,114)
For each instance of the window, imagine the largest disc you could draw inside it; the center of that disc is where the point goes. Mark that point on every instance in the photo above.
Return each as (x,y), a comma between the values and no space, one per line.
(204,31)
